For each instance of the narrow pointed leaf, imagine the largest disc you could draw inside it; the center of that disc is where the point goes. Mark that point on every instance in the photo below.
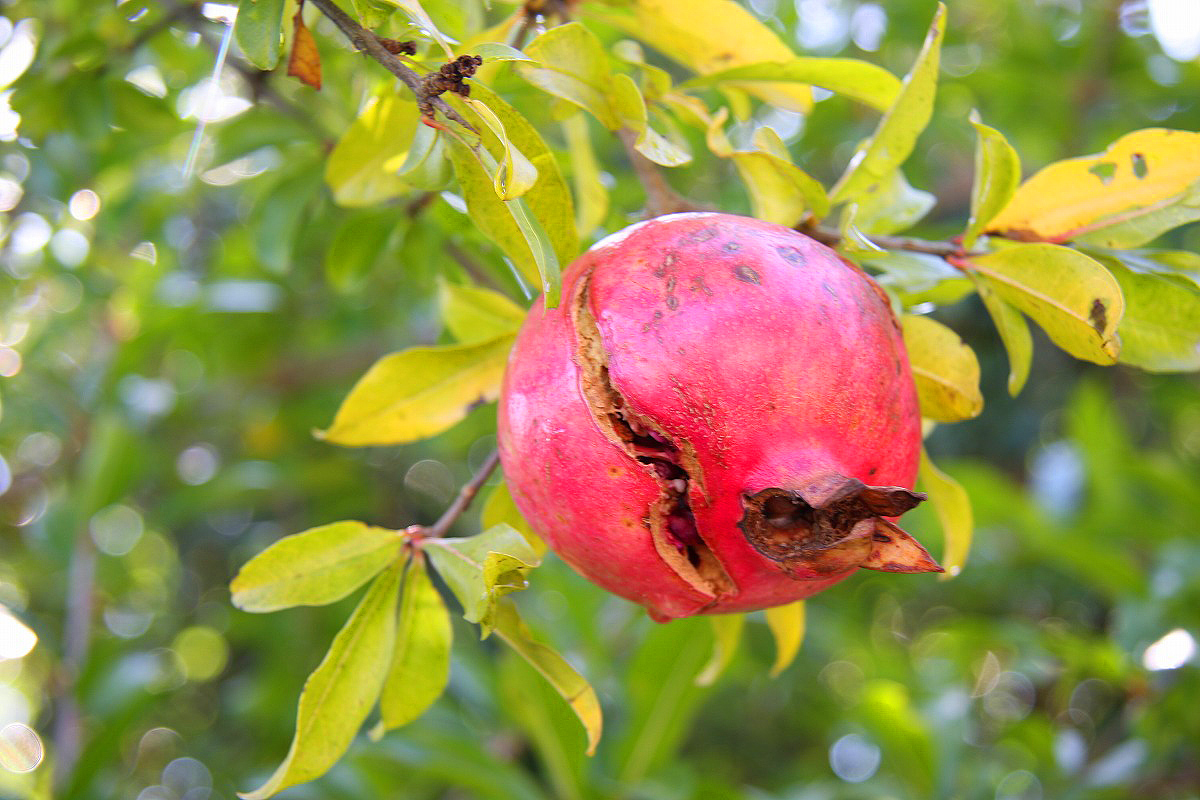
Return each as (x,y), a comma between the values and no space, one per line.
(569,684)
(953,507)
(1071,296)
(630,107)
(516,174)
(473,313)
(316,567)
(859,80)
(897,132)
(727,634)
(259,31)
(482,569)
(499,508)
(1145,183)
(340,692)
(787,626)
(945,369)
(420,392)
(1014,333)
(420,665)
(1160,331)
(997,173)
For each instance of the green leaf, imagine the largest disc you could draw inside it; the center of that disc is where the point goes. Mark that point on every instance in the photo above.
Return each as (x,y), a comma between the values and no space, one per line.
(482,569)
(1072,297)
(630,106)
(727,633)
(340,692)
(420,665)
(569,684)
(314,568)
(495,51)
(358,245)
(860,80)
(573,66)
(422,20)
(516,174)
(945,369)
(473,313)
(426,165)
(897,132)
(919,277)
(787,626)
(780,192)
(363,168)
(591,198)
(1014,333)
(888,713)
(499,508)
(259,31)
(997,173)
(419,392)
(1145,183)
(280,215)
(892,205)
(1160,331)
(853,241)
(953,507)
(372,14)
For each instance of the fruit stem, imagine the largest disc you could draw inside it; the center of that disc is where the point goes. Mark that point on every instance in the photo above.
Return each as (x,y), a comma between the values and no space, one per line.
(463,501)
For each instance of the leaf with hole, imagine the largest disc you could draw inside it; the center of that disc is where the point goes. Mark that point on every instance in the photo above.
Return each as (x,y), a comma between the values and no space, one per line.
(1160,330)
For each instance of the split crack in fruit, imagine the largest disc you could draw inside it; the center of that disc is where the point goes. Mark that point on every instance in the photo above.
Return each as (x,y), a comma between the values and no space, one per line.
(719,417)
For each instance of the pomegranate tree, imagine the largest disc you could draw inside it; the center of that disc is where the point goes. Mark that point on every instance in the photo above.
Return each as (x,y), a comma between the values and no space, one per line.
(718,417)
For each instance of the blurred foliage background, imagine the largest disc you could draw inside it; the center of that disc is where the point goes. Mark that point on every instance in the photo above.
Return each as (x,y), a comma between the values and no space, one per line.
(168,341)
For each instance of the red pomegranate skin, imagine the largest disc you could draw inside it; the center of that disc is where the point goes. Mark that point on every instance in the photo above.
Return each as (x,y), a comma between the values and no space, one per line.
(722,356)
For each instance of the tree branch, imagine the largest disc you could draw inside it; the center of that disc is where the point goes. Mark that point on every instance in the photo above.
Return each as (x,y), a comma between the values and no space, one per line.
(661,198)
(369,43)
(831,236)
(463,501)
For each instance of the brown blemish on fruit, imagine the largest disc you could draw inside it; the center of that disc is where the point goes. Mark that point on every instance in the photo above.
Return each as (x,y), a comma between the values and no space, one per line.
(703,234)
(746,274)
(792,255)
(672,302)
(698,285)
(670,520)
(833,525)
(731,247)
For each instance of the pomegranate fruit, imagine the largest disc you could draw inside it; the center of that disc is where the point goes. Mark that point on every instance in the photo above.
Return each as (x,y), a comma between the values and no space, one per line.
(718,417)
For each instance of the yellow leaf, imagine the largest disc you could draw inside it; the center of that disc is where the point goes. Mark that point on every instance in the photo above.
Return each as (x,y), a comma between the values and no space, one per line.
(1072,297)
(787,626)
(305,61)
(420,392)
(362,169)
(945,369)
(953,506)
(727,633)
(997,173)
(473,313)
(1014,333)
(713,35)
(1145,183)
(516,174)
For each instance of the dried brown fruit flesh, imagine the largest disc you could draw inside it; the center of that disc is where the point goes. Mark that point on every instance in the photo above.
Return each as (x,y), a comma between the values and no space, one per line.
(703,366)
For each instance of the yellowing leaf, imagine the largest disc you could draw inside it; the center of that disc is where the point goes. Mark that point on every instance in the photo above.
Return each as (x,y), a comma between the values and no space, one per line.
(420,665)
(420,392)
(1160,331)
(569,684)
(1072,297)
(1014,333)
(727,633)
(897,132)
(340,692)
(362,169)
(630,107)
(305,61)
(953,507)
(892,205)
(473,313)
(573,66)
(499,508)
(259,31)
(1145,183)
(860,80)
(945,369)
(314,568)
(591,198)
(787,626)
(712,35)
(997,173)
(780,191)
(484,568)
(516,173)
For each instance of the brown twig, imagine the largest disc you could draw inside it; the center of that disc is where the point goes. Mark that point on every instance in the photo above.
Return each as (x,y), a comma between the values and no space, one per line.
(831,236)
(661,198)
(369,43)
(463,501)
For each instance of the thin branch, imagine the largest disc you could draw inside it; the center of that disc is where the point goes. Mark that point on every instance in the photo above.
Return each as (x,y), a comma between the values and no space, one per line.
(369,43)
(661,198)
(463,501)
(831,236)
